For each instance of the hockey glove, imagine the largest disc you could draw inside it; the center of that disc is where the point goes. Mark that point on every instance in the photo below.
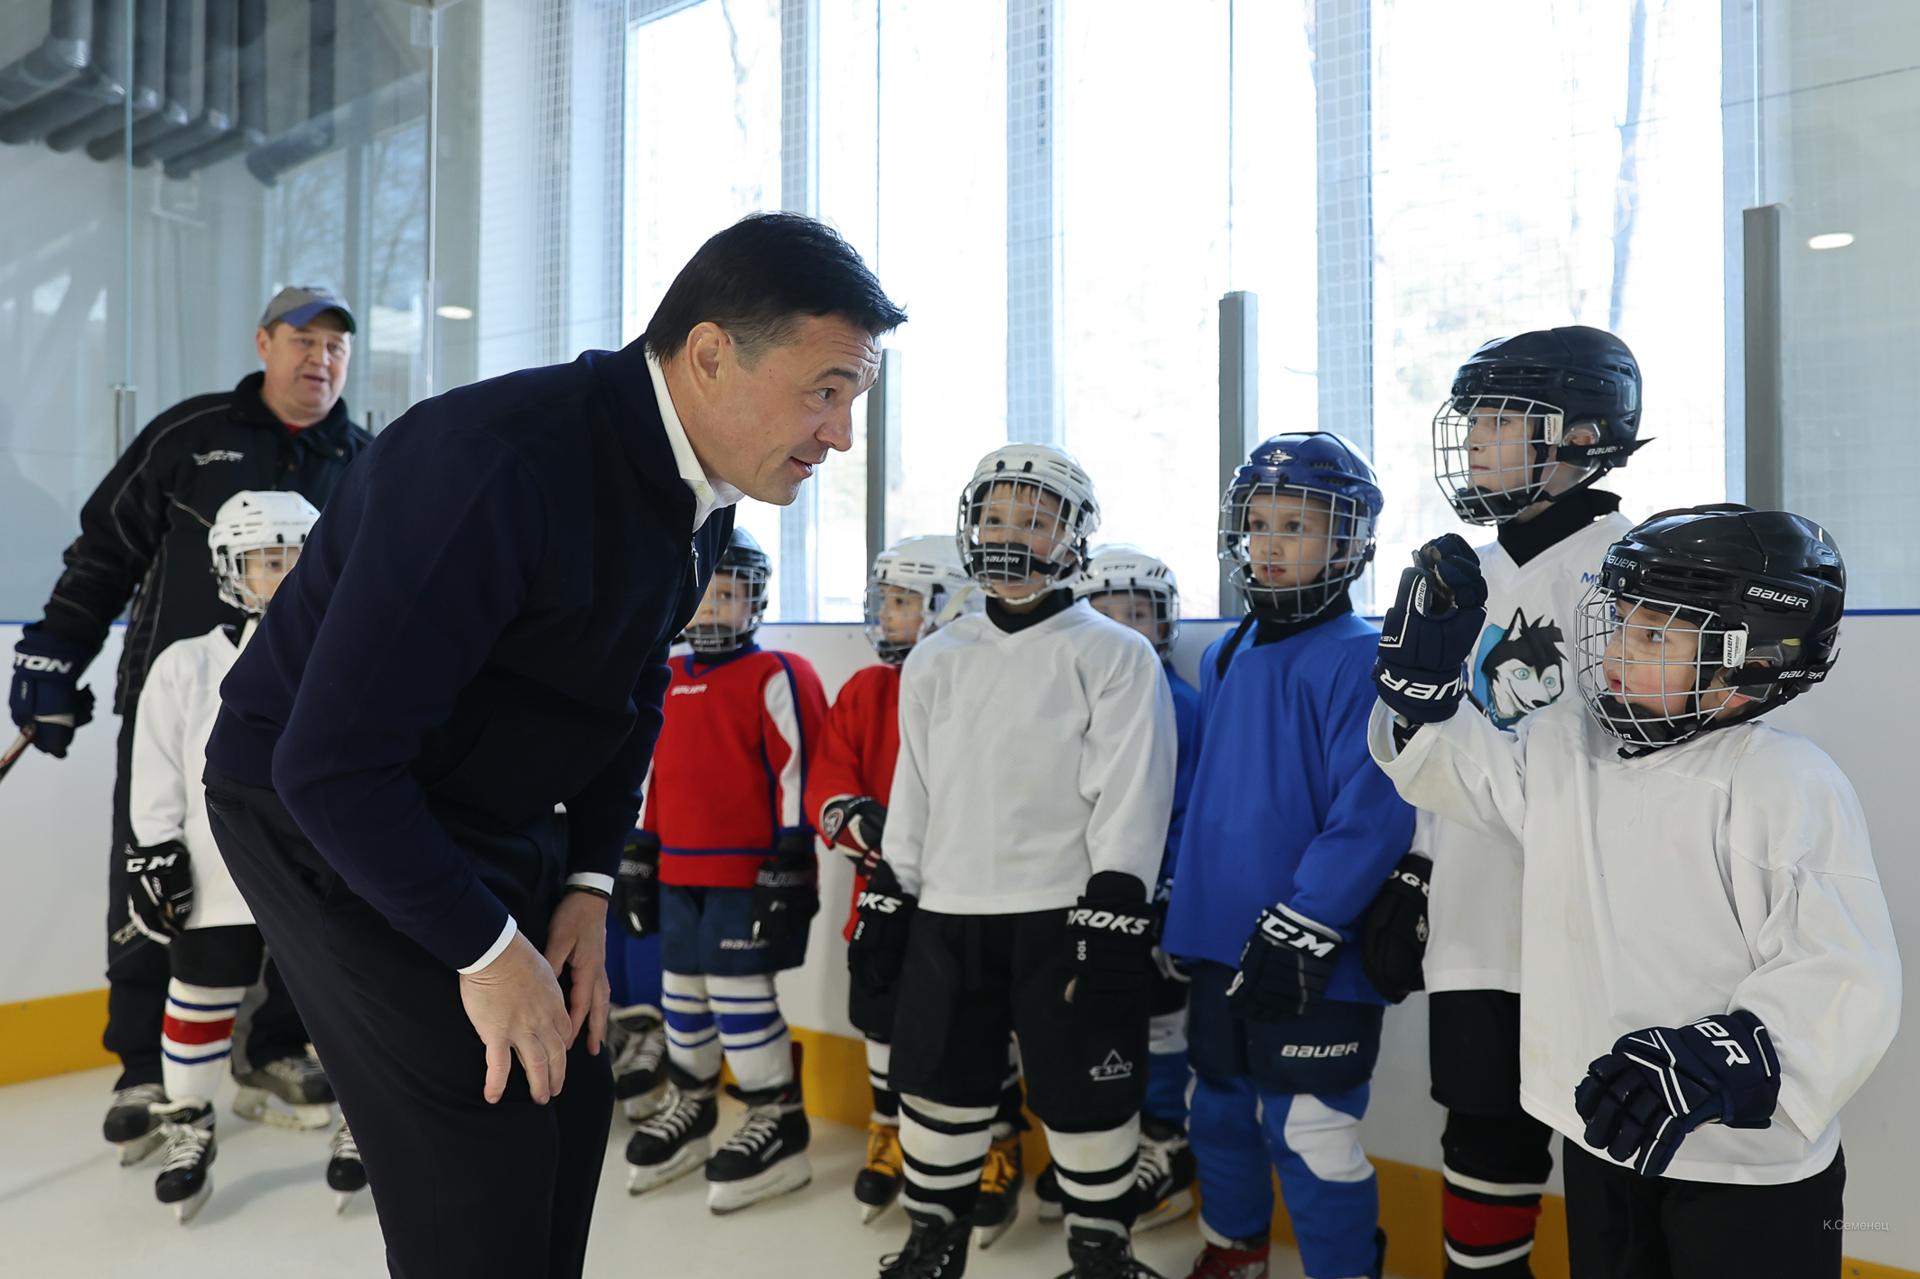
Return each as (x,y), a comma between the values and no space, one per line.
(1285,967)
(159,888)
(1110,945)
(636,894)
(1659,1084)
(1393,941)
(877,950)
(1428,634)
(855,823)
(786,891)
(46,689)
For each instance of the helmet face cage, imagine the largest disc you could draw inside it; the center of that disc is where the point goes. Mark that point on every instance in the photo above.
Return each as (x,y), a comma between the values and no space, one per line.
(231,565)
(1293,550)
(723,634)
(884,607)
(1511,437)
(1664,651)
(1139,599)
(1015,528)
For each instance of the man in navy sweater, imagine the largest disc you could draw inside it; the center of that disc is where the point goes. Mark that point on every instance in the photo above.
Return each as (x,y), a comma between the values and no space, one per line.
(477,632)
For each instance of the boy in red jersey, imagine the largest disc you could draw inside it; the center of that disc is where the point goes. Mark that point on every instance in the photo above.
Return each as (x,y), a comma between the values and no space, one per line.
(917,585)
(723,868)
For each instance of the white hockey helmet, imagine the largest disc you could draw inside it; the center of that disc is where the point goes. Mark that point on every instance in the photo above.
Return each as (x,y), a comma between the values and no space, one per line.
(1123,569)
(255,521)
(1051,470)
(929,566)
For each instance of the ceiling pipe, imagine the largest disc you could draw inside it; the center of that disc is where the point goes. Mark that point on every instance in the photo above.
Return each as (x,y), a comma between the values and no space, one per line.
(251,126)
(57,59)
(315,135)
(218,103)
(176,104)
(149,66)
(102,81)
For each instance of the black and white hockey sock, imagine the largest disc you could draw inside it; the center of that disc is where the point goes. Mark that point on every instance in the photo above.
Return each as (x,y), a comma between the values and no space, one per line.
(944,1147)
(1095,1171)
(886,1102)
(1007,1120)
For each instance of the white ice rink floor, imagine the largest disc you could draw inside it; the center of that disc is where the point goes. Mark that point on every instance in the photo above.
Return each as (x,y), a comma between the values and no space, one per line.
(67,1209)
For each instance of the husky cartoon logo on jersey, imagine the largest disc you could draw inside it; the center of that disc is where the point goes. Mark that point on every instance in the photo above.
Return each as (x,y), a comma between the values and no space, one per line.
(1520,669)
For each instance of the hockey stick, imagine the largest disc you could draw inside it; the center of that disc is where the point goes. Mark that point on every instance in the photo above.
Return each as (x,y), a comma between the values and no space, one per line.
(15,751)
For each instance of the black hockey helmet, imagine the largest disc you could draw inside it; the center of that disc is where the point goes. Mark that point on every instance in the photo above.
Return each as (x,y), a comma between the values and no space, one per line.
(1558,379)
(1766,590)
(751,571)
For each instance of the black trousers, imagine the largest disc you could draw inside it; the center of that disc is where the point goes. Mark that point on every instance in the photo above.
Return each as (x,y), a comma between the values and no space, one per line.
(137,969)
(463,1188)
(1621,1225)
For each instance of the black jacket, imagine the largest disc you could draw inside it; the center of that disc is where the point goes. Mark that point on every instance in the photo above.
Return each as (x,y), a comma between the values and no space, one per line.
(478,632)
(143,533)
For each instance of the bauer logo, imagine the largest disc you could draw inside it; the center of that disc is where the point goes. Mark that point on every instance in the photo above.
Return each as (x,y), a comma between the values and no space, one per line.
(1112,1070)
(1785,598)
(1315,1051)
(678,689)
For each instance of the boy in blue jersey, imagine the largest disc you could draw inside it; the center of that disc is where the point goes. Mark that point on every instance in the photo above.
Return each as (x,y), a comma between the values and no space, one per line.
(1137,590)
(1289,831)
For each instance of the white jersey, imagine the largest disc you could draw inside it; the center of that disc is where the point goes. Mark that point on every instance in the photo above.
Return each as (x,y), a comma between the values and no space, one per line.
(1730,871)
(1519,664)
(165,797)
(1028,762)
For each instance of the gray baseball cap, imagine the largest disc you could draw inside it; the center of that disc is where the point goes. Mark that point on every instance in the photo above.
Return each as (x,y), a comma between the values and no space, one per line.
(297,304)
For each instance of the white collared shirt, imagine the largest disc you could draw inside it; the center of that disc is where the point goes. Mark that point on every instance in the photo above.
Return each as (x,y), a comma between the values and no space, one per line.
(709,494)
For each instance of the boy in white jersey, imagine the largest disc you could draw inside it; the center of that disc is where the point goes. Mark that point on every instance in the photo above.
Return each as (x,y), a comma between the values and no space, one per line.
(1027,819)
(1709,968)
(1530,424)
(183,896)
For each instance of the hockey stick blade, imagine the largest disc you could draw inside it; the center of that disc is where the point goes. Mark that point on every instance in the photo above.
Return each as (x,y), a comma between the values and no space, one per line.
(15,751)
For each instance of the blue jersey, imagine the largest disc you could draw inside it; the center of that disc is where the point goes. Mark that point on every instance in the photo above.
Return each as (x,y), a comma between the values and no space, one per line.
(1286,805)
(1186,720)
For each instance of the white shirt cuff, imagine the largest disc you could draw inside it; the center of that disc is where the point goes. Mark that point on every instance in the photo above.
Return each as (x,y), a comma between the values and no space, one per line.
(591,879)
(493,951)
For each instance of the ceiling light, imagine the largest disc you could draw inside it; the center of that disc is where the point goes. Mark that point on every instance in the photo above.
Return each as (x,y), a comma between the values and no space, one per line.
(1831,240)
(466,312)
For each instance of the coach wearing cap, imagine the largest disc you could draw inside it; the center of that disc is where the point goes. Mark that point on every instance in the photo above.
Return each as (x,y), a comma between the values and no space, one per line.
(143,539)
(477,633)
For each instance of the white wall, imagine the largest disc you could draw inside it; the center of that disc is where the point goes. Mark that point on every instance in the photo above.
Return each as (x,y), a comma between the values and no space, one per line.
(53,833)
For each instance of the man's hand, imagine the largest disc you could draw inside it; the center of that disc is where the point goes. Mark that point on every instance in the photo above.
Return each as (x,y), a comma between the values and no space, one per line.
(46,690)
(577,945)
(515,1007)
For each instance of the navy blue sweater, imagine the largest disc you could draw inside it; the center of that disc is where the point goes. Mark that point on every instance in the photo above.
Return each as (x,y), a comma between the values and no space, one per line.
(477,632)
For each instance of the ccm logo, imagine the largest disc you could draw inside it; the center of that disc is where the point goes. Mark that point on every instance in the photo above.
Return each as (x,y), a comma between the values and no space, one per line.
(35,662)
(879,902)
(135,865)
(678,689)
(1422,692)
(1086,917)
(1285,934)
(1777,597)
(1319,1050)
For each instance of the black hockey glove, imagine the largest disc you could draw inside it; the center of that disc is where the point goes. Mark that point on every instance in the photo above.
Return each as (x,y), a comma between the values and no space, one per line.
(1110,944)
(1393,940)
(859,818)
(878,949)
(1285,966)
(159,888)
(46,689)
(1428,634)
(636,894)
(1659,1084)
(786,891)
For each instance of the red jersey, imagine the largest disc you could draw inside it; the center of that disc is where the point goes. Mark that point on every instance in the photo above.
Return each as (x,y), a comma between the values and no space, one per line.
(731,764)
(857,750)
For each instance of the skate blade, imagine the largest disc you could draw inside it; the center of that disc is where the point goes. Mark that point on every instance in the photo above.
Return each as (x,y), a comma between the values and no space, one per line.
(132,1152)
(870,1213)
(1169,1210)
(984,1237)
(644,1177)
(645,1106)
(259,1106)
(783,1178)
(342,1199)
(189,1208)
